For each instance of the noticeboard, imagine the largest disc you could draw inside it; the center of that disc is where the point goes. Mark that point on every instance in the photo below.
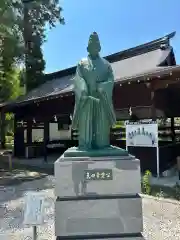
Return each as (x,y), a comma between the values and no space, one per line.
(34,209)
(142,134)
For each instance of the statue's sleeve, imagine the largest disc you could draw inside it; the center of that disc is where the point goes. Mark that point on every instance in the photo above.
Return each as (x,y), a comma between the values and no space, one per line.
(80,86)
(108,84)
(105,91)
(80,90)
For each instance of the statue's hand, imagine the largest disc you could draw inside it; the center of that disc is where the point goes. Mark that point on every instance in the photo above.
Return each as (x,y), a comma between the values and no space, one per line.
(94,99)
(100,89)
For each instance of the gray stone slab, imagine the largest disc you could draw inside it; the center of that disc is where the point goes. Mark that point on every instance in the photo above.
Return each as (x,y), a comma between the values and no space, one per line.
(70,181)
(102,216)
(134,238)
(126,238)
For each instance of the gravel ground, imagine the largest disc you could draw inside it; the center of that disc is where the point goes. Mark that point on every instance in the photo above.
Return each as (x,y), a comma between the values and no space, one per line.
(161,218)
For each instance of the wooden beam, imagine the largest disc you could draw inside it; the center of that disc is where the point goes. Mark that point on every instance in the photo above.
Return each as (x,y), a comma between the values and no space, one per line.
(153,109)
(29,132)
(164,83)
(173,133)
(15,136)
(46,138)
(3,131)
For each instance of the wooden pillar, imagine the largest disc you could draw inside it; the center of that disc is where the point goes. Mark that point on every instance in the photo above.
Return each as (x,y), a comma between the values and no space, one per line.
(29,132)
(153,109)
(151,88)
(3,132)
(19,144)
(173,134)
(15,136)
(46,138)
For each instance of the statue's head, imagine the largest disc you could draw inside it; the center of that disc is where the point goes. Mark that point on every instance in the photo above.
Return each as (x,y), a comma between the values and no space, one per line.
(94,46)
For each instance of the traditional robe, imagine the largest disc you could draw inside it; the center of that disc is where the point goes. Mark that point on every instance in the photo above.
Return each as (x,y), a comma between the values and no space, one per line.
(93,113)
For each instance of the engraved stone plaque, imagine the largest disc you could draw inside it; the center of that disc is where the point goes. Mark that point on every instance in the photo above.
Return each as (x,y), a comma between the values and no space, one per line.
(98,174)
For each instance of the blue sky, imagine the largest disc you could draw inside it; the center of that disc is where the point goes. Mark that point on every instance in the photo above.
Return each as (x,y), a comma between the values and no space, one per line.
(121,24)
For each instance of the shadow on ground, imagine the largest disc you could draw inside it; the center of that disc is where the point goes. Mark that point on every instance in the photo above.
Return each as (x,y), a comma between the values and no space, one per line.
(18,176)
(14,184)
(40,168)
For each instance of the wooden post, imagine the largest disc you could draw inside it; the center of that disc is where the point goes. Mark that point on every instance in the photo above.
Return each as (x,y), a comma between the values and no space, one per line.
(2,126)
(151,87)
(178,166)
(153,109)
(19,145)
(10,162)
(34,232)
(173,134)
(29,132)
(15,135)
(46,138)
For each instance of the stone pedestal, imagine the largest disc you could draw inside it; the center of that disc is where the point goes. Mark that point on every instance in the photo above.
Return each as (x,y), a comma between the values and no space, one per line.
(98,198)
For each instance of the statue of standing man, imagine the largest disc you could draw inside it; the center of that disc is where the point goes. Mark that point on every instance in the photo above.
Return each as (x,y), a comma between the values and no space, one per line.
(93,86)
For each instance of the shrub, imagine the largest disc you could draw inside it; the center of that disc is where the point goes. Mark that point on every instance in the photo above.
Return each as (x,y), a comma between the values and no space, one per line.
(146,186)
(161,194)
(9,139)
(176,189)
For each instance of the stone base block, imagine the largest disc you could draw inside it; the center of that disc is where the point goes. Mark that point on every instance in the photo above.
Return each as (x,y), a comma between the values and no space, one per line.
(121,215)
(124,238)
(70,176)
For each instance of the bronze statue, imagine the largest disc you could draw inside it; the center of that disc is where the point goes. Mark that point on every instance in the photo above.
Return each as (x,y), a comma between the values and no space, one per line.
(93,114)
(93,86)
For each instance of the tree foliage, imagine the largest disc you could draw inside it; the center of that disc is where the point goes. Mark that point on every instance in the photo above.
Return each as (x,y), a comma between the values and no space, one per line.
(22,33)
(10,30)
(37,16)
(11,50)
(10,82)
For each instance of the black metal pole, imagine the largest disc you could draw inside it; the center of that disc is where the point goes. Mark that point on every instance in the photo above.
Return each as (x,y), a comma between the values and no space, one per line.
(34,232)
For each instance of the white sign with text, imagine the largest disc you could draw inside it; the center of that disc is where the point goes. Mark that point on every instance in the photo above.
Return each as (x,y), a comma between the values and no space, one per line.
(34,209)
(142,134)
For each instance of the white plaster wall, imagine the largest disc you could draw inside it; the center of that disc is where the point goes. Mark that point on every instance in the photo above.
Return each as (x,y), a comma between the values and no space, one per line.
(36,134)
(54,134)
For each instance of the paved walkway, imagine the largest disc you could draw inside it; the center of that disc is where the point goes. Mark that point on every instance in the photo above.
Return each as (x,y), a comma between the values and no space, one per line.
(161,218)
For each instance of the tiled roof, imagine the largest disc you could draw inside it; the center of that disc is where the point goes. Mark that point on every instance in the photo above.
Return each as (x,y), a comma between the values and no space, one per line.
(49,88)
(144,59)
(138,64)
(124,69)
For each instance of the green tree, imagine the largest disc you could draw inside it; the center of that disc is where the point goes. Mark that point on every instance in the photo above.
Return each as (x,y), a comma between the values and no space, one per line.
(10,85)
(10,28)
(37,16)
(22,33)
(9,76)
(11,50)
(6,18)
